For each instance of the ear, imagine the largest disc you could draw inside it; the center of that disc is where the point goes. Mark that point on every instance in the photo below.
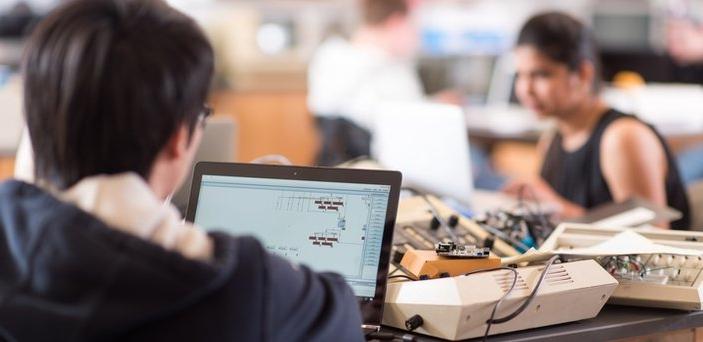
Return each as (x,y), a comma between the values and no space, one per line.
(177,144)
(587,74)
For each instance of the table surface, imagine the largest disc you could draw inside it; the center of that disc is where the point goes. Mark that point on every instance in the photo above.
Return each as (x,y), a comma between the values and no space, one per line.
(613,322)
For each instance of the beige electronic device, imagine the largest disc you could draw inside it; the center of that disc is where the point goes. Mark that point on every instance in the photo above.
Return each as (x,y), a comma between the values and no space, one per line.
(458,308)
(652,280)
(413,229)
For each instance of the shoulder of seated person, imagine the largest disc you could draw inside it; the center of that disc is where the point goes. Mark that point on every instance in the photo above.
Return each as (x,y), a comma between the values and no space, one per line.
(627,130)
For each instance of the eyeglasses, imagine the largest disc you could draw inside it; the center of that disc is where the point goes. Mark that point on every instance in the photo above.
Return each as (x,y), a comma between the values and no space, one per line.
(205,112)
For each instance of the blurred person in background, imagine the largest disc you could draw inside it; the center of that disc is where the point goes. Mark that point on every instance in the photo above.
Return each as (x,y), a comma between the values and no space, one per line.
(347,79)
(684,33)
(17,20)
(596,155)
(684,43)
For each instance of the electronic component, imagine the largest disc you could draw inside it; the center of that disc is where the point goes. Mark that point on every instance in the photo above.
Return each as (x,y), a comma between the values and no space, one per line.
(522,227)
(414,229)
(452,250)
(413,322)
(663,269)
(459,307)
(652,280)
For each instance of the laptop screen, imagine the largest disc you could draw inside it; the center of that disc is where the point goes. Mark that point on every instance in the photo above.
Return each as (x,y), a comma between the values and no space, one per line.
(328,226)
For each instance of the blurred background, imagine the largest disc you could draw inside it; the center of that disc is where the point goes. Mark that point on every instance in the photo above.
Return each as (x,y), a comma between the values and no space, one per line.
(651,50)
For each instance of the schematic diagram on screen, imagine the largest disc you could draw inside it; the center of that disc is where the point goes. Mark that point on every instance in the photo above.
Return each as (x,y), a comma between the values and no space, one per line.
(332,207)
(327,226)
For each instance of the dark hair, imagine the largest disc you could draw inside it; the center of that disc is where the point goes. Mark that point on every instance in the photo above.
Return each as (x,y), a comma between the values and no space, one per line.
(563,39)
(108,82)
(376,12)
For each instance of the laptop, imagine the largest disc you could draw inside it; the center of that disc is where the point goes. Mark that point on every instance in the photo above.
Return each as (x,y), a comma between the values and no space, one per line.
(429,144)
(338,220)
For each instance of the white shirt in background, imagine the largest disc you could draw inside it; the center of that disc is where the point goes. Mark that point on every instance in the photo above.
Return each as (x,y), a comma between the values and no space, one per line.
(348,81)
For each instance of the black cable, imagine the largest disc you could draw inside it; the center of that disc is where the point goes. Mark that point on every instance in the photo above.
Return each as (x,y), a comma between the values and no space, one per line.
(401,276)
(489,322)
(394,271)
(530,297)
(492,320)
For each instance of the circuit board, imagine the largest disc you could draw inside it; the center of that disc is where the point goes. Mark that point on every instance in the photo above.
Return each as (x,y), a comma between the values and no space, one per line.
(452,250)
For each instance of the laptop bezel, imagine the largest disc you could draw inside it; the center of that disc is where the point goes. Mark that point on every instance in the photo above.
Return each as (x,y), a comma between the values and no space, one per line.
(372,311)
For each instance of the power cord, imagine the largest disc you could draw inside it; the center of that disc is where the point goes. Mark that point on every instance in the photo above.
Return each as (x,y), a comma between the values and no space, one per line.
(401,276)
(394,271)
(526,303)
(492,320)
(507,293)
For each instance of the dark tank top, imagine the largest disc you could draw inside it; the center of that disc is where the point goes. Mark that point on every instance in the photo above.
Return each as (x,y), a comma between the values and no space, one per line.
(578,177)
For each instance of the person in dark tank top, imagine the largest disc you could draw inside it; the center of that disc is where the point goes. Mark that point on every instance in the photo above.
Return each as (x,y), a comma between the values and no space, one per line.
(596,154)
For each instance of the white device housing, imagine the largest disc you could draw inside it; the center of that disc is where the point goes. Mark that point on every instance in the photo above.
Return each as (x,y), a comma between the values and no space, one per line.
(458,308)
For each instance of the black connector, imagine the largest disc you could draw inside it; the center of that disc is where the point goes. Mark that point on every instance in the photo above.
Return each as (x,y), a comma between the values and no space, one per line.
(434,224)
(453,221)
(414,322)
(489,242)
(444,275)
(398,255)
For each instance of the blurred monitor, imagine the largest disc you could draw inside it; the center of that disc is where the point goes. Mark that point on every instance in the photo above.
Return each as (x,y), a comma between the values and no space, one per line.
(429,144)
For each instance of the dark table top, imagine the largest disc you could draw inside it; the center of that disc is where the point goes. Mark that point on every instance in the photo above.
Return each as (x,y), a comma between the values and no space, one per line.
(613,322)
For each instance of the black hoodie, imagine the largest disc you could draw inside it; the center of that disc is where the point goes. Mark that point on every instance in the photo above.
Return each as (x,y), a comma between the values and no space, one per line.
(66,276)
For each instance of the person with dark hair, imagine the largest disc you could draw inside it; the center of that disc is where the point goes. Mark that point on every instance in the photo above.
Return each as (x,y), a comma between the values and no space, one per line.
(596,154)
(114,103)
